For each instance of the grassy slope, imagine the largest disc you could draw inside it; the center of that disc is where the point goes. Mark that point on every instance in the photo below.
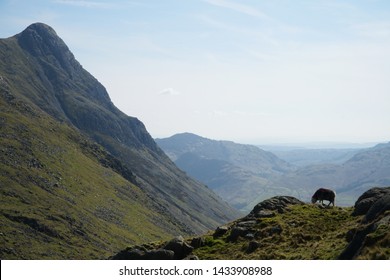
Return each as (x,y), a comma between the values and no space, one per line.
(56,200)
(303,232)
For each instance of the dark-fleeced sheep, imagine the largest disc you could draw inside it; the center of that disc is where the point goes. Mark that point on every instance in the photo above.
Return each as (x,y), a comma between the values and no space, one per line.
(324,194)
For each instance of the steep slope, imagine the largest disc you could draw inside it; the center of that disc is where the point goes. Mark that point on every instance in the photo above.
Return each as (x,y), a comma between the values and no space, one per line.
(241,174)
(38,72)
(62,196)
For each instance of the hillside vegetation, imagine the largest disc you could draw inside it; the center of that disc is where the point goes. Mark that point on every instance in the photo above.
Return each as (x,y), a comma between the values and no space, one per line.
(63,196)
(284,227)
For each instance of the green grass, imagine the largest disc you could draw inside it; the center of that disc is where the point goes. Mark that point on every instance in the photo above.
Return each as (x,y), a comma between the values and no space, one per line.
(57,201)
(377,242)
(303,232)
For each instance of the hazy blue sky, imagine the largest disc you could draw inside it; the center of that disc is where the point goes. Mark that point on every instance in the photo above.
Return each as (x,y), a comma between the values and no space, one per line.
(252,71)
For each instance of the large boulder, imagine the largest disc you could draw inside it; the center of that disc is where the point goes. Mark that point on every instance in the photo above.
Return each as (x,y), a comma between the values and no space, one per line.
(368,198)
(180,248)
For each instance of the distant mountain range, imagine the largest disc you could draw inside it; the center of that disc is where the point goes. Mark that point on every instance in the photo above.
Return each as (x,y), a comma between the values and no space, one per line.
(301,157)
(241,174)
(79,178)
(246,174)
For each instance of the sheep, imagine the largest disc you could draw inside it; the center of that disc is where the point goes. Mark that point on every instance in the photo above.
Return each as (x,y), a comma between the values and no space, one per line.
(324,194)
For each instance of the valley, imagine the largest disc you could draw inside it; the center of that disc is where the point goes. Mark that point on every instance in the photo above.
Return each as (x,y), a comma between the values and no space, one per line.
(243,175)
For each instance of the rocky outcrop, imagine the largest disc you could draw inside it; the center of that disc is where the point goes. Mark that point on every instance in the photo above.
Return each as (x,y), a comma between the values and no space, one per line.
(267,207)
(284,227)
(175,249)
(374,204)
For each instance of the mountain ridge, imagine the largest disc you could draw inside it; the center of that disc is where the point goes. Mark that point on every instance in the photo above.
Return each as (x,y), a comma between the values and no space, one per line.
(241,173)
(43,84)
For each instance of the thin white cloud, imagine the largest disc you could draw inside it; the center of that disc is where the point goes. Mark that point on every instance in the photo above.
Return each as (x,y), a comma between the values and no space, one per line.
(240,8)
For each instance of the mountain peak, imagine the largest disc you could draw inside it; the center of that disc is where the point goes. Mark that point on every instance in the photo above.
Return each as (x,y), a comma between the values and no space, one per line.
(41,28)
(40,40)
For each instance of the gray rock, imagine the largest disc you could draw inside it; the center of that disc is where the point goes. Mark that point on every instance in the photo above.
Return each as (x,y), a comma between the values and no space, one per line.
(130,254)
(180,248)
(197,242)
(368,198)
(220,231)
(249,223)
(236,232)
(265,214)
(160,254)
(379,207)
(276,203)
